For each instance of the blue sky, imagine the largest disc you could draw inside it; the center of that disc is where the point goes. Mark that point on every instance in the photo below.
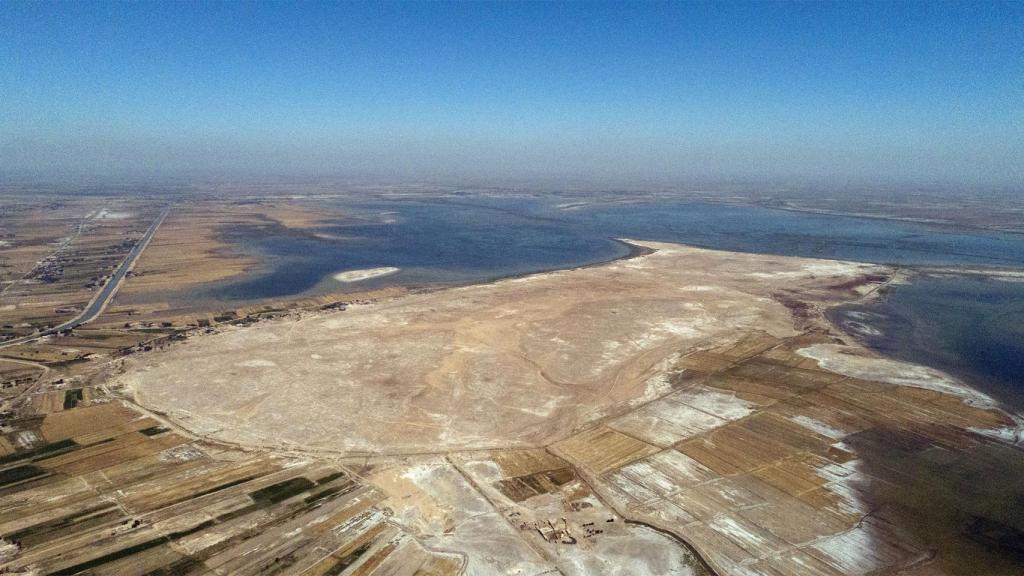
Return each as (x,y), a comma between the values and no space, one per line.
(867,91)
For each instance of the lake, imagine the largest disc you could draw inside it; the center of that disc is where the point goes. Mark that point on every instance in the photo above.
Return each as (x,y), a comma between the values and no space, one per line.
(966,325)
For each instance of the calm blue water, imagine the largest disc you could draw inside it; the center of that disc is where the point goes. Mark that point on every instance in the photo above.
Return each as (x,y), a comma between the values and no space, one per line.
(465,242)
(970,326)
(749,229)
(430,243)
(958,325)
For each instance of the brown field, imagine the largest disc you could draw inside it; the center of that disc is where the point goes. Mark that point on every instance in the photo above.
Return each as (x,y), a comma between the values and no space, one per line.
(109,492)
(782,486)
(189,249)
(53,256)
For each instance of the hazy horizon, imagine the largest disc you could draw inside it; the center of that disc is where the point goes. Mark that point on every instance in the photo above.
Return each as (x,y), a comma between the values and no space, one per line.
(926,93)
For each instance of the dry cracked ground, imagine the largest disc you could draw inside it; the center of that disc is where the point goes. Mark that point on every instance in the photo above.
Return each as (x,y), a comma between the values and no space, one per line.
(684,411)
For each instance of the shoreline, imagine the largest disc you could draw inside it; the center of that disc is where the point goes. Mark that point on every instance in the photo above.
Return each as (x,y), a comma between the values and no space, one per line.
(204,295)
(269,263)
(889,344)
(635,249)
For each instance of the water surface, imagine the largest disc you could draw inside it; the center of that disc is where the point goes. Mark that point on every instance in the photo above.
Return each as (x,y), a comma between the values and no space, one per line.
(446,241)
(969,326)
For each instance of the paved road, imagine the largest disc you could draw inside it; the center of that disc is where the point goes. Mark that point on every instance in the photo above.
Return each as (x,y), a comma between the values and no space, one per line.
(102,298)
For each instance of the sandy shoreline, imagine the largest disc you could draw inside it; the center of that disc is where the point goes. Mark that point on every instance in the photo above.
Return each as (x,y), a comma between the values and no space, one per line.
(350,276)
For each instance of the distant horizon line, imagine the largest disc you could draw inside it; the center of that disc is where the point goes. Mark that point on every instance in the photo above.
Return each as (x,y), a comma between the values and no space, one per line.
(694,184)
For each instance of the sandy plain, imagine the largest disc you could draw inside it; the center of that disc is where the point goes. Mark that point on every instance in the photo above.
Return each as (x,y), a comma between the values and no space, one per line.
(516,363)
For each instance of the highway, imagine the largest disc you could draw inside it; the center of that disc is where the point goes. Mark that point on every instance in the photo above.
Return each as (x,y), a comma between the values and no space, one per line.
(103,297)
